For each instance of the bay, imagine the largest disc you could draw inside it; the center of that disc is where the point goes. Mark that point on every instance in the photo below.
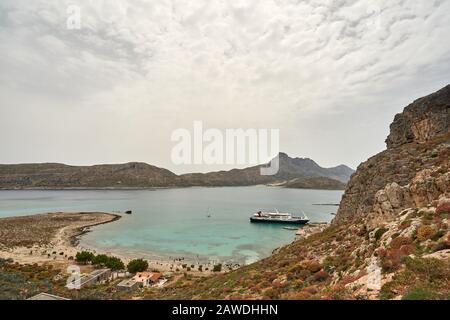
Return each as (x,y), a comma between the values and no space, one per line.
(169,224)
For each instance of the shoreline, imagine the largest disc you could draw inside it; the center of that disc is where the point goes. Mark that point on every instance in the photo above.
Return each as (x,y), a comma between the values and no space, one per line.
(48,237)
(74,239)
(60,249)
(156,188)
(64,244)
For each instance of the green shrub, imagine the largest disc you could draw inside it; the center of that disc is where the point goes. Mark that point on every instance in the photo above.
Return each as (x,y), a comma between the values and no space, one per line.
(379,233)
(100,259)
(419,294)
(115,264)
(84,257)
(137,265)
(217,268)
(437,235)
(395,235)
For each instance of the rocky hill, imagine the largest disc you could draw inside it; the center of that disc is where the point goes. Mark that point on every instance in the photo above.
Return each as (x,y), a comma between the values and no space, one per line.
(141,175)
(413,171)
(60,176)
(321,183)
(290,168)
(389,240)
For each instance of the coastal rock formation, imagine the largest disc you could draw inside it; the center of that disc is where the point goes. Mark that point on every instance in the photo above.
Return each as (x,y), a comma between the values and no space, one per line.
(422,120)
(389,240)
(413,171)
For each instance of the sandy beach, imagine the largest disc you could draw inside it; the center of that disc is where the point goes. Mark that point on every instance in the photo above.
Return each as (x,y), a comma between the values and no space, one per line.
(53,238)
(44,238)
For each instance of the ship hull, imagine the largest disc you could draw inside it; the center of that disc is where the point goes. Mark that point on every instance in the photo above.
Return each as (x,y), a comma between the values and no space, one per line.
(290,221)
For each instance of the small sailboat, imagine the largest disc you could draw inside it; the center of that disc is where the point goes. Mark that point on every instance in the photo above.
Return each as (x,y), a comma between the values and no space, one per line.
(208,214)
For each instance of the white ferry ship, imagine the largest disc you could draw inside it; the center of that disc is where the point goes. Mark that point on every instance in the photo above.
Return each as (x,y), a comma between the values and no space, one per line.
(277,217)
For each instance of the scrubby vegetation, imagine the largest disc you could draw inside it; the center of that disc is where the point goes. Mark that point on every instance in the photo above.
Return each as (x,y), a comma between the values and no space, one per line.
(421,279)
(137,265)
(84,257)
(101,260)
(19,282)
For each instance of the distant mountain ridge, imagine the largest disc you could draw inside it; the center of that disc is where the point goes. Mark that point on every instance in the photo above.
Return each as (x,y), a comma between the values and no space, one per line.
(142,175)
(289,169)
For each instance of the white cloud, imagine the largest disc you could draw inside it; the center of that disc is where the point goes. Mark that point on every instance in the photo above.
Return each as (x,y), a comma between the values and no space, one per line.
(330,74)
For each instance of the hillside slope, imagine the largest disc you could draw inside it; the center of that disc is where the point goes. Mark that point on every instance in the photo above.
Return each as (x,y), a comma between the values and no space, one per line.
(389,240)
(290,168)
(321,183)
(142,175)
(60,176)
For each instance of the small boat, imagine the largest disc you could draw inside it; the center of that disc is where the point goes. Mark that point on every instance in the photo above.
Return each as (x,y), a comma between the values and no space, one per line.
(209,214)
(290,228)
(128,212)
(277,217)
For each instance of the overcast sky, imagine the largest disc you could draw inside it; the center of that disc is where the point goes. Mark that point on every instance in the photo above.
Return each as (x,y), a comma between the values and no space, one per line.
(329,74)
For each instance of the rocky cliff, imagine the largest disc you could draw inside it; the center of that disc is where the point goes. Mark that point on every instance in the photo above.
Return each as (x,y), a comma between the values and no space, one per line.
(421,121)
(412,172)
(389,240)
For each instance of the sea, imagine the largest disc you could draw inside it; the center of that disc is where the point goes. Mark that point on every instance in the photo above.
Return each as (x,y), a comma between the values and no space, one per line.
(205,225)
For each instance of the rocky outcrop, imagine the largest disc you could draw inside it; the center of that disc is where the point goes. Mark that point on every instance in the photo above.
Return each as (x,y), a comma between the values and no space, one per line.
(422,120)
(412,172)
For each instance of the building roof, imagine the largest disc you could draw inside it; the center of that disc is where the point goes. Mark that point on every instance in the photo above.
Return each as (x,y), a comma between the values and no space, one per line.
(142,276)
(46,296)
(99,272)
(87,278)
(126,283)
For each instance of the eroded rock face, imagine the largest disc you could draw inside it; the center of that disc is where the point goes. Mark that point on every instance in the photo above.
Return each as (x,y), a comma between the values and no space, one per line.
(422,120)
(413,172)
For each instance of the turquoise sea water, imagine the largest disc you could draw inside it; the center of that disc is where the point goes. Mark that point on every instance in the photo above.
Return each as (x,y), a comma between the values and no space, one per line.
(173,223)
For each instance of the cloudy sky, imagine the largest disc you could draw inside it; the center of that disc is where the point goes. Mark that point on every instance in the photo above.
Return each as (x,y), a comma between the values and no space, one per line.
(330,74)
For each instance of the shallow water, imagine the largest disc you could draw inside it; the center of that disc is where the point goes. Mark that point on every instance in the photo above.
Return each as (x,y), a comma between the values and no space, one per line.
(173,223)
